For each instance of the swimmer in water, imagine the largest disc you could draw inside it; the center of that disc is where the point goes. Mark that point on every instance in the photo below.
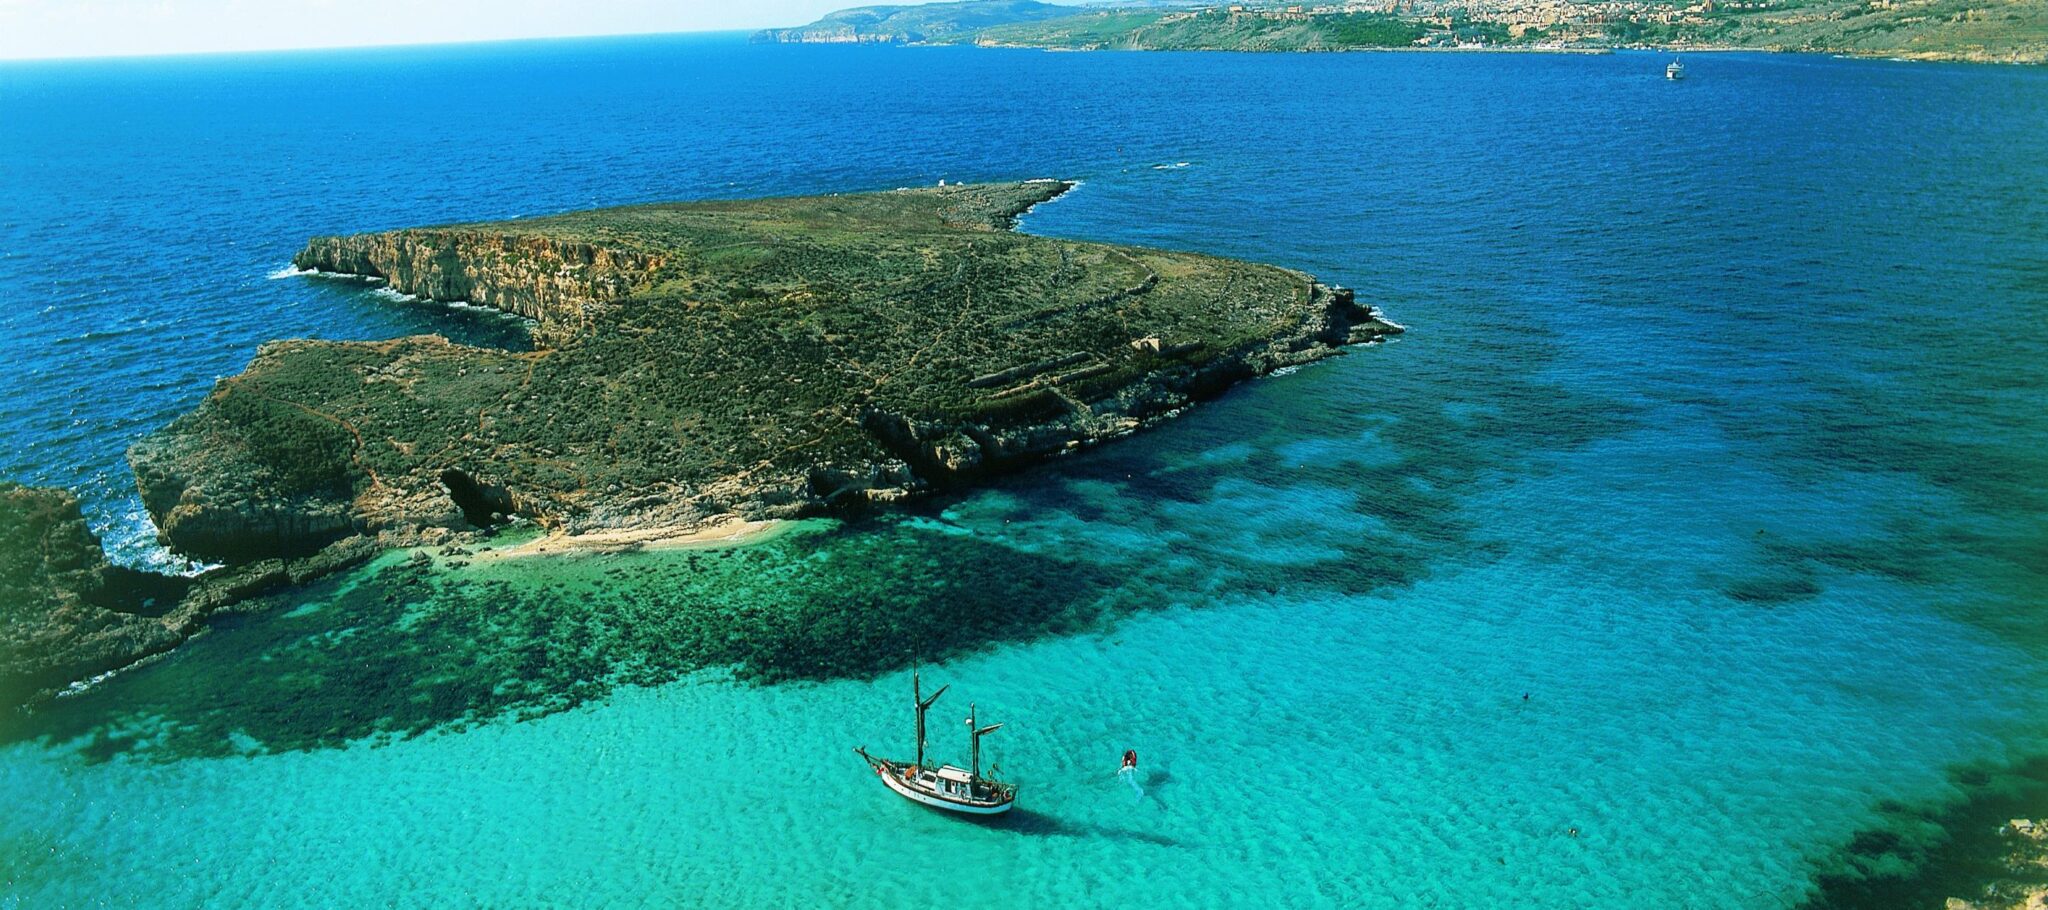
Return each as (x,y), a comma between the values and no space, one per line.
(1129,773)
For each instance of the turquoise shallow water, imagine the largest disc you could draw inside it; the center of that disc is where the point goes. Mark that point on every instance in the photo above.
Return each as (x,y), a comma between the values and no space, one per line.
(1717,434)
(1321,750)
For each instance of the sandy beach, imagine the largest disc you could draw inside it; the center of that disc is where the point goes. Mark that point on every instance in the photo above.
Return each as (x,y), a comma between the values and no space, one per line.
(720,534)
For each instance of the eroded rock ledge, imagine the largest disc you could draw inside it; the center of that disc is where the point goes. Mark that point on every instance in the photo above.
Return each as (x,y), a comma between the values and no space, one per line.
(67,614)
(755,359)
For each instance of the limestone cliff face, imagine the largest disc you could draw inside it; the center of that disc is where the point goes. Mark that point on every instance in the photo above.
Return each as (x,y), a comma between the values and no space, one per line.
(216,504)
(553,282)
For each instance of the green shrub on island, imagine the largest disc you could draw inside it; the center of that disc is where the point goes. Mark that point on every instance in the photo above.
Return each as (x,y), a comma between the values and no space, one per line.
(308,453)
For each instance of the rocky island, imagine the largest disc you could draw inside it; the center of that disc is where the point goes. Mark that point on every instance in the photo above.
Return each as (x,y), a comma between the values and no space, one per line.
(712,361)
(693,364)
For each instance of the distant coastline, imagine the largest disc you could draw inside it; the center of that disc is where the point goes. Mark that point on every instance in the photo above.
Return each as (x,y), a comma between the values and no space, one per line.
(1934,30)
(1503,49)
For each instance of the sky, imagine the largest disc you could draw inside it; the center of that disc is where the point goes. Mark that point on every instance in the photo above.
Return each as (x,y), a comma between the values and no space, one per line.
(101,28)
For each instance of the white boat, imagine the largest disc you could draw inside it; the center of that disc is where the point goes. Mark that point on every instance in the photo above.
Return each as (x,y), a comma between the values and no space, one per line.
(945,787)
(1675,71)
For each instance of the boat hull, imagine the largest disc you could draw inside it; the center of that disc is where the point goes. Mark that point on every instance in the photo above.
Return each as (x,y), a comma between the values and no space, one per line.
(891,776)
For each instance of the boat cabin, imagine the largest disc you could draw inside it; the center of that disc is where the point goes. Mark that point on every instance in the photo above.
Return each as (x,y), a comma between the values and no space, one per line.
(953,781)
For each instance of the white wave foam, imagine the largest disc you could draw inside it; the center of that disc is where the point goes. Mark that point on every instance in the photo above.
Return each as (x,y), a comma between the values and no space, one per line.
(1072,185)
(130,540)
(338,276)
(462,306)
(81,686)
(483,310)
(384,290)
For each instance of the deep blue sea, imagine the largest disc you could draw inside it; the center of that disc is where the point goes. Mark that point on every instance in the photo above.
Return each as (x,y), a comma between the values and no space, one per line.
(1690,549)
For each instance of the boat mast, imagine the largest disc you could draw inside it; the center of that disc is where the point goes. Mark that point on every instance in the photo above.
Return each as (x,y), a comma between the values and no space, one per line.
(923,705)
(979,732)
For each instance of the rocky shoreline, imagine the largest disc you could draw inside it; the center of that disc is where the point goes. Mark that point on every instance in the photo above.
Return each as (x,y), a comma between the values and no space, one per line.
(67,615)
(694,365)
(2026,865)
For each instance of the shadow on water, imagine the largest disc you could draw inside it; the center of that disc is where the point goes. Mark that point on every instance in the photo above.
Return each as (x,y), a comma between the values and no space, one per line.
(398,650)
(402,649)
(1965,477)
(1039,824)
(1154,782)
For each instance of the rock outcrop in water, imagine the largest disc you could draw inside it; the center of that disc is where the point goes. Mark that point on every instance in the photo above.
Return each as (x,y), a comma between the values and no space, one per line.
(64,611)
(67,614)
(754,359)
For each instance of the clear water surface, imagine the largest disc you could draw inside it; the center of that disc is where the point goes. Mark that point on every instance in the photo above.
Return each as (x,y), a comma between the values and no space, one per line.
(1701,516)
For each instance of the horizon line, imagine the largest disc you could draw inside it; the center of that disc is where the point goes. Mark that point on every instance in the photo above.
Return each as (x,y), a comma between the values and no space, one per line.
(318,48)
